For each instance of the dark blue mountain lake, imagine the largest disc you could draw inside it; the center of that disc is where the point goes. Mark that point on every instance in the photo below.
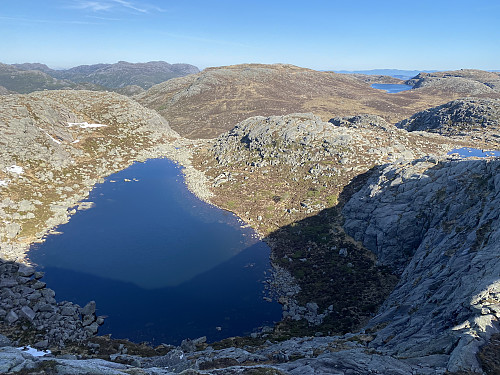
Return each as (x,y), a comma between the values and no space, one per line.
(391,88)
(160,263)
(467,152)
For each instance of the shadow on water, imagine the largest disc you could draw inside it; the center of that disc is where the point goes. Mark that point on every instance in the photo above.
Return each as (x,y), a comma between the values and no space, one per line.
(160,263)
(224,301)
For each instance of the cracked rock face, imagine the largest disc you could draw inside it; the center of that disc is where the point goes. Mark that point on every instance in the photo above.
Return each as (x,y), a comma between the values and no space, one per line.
(436,222)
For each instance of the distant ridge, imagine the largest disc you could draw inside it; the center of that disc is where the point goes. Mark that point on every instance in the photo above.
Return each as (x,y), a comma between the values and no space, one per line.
(105,76)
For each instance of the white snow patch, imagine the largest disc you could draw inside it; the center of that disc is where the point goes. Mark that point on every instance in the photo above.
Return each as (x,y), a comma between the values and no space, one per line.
(3,183)
(85,125)
(34,352)
(76,141)
(55,140)
(15,169)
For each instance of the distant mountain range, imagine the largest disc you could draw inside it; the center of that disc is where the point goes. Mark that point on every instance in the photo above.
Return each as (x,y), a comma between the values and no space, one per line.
(28,77)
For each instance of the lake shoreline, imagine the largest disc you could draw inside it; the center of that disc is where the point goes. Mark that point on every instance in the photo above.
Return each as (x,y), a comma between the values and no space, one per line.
(177,151)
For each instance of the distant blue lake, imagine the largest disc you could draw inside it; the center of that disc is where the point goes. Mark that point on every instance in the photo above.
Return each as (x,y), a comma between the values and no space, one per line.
(466,152)
(391,88)
(160,263)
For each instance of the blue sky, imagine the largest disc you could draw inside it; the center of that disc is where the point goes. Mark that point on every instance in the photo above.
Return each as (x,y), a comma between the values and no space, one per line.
(315,34)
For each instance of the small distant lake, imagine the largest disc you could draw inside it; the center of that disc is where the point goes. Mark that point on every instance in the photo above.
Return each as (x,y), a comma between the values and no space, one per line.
(391,88)
(467,152)
(160,263)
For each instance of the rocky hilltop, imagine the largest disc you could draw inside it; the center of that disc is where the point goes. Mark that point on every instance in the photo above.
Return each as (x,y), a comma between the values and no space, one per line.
(206,104)
(478,119)
(464,81)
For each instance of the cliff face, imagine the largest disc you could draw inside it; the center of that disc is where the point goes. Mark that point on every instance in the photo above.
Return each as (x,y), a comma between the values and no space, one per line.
(437,223)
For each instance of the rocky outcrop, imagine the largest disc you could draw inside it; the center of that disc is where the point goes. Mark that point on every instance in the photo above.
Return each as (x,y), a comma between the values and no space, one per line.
(33,316)
(264,141)
(318,157)
(363,121)
(474,117)
(436,222)
(464,81)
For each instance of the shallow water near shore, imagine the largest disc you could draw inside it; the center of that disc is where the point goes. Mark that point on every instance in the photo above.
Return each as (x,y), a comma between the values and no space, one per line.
(160,263)
(467,152)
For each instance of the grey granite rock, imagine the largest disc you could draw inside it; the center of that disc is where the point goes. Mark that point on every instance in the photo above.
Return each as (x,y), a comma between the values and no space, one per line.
(436,222)
(470,116)
(27,299)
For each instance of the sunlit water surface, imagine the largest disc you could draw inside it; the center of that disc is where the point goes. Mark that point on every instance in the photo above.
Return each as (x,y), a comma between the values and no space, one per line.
(391,88)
